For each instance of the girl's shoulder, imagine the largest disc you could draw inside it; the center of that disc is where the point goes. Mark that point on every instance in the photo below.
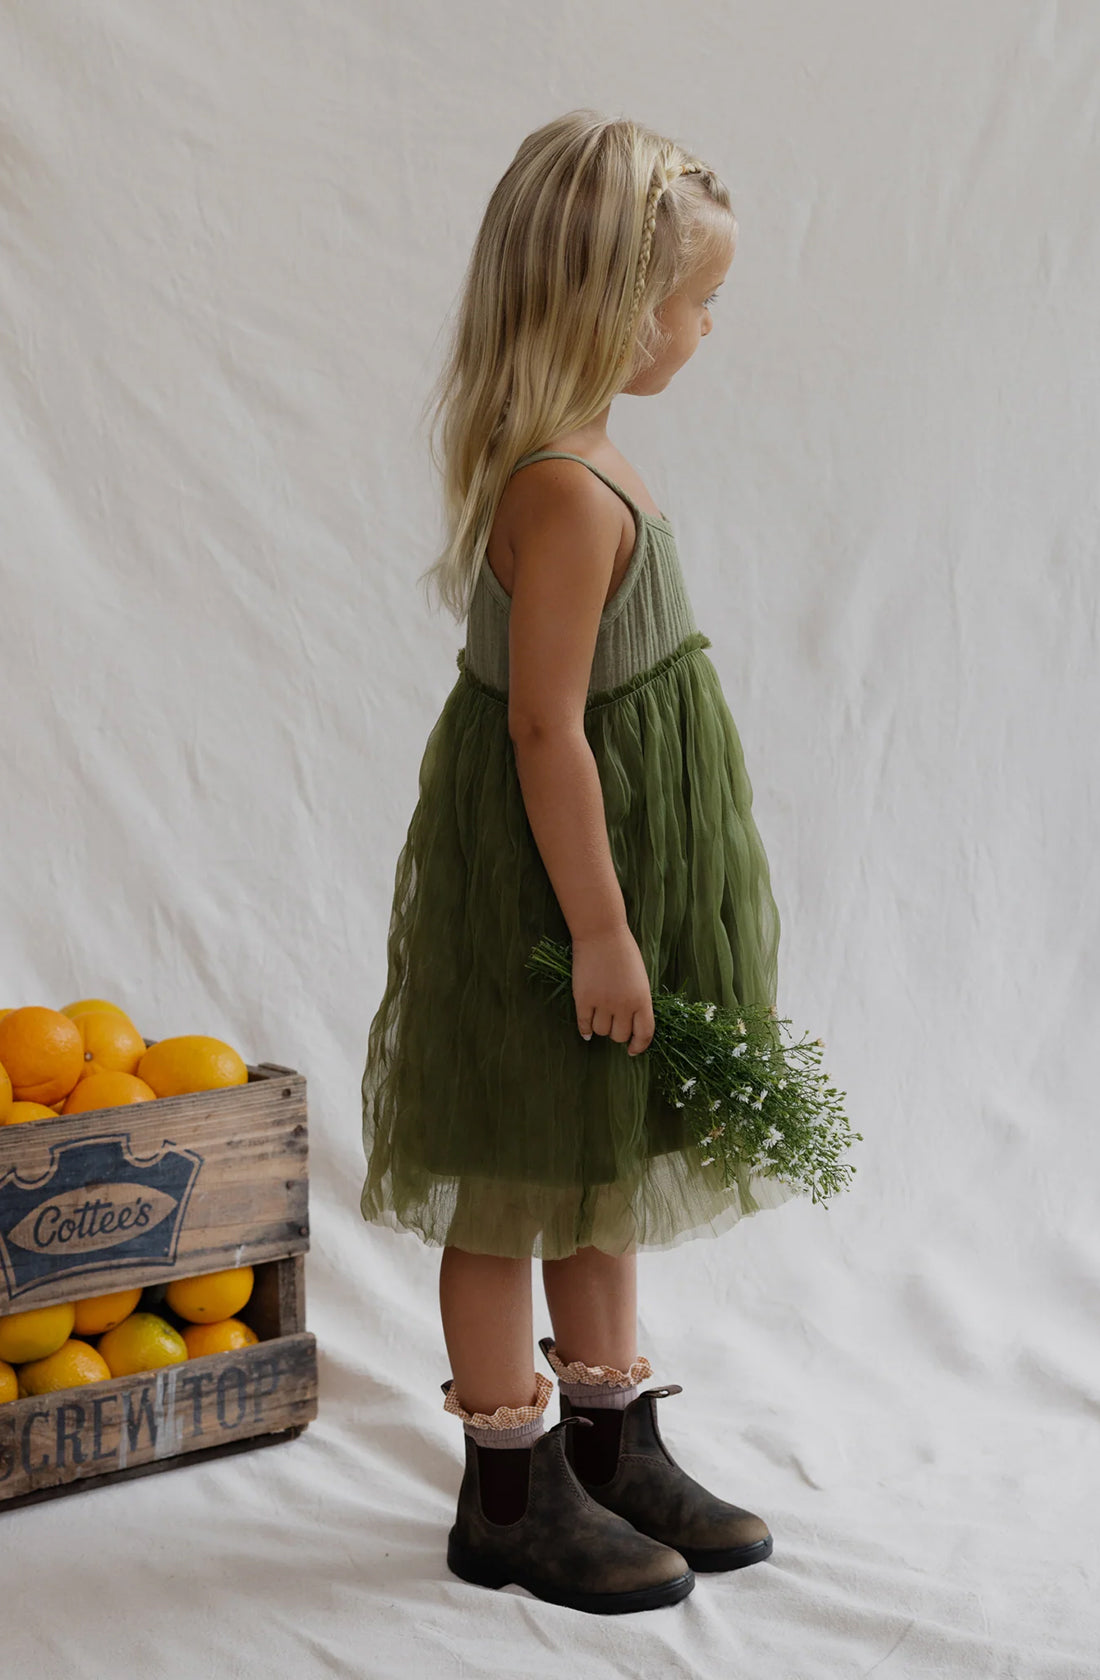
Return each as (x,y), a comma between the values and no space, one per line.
(553,463)
(543,485)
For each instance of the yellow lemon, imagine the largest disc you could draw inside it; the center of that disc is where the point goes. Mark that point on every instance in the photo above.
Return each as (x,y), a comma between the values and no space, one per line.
(82,1005)
(6,1095)
(73,1364)
(35,1333)
(190,1062)
(9,1382)
(29,1111)
(213,1296)
(222,1337)
(142,1342)
(42,1051)
(107,1090)
(97,1313)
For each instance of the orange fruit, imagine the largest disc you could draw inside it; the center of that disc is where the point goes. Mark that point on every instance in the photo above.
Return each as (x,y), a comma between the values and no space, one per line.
(73,1364)
(142,1342)
(189,1062)
(9,1382)
(220,1337)
(213,1296)
(6,1095)
(112,1044)
(83,1004)
(35,1333)
(42,1051)
(97,1313)
(107,1090)
(29,1111)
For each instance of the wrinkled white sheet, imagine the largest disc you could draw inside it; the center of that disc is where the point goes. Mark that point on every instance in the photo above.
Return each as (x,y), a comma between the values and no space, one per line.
(231,235)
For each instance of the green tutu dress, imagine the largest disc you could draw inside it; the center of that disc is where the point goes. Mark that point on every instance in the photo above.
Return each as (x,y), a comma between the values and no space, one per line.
(489,1123)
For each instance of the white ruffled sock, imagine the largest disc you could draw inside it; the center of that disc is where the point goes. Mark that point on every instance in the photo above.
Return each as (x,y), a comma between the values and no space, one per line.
(602,1386)
(508,1426)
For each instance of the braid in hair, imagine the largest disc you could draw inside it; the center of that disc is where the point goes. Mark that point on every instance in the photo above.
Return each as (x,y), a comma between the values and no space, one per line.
(659,186)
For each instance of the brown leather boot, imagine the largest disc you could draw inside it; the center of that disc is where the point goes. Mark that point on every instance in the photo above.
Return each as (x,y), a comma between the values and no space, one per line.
(624,1464)
(563,1547)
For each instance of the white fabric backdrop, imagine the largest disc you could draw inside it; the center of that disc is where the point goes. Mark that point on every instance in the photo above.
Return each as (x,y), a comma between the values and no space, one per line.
(232,234)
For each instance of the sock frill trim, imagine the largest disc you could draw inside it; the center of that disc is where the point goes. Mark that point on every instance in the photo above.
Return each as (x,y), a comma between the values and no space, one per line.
(599,1376)
(505,1417)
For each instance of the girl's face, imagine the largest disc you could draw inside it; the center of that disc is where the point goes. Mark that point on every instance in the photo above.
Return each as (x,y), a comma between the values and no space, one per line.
(685,317)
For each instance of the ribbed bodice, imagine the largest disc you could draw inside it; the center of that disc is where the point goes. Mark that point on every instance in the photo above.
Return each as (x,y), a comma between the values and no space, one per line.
(647,618)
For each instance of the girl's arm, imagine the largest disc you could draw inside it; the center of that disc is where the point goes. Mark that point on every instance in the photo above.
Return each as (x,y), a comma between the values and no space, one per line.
(564,534)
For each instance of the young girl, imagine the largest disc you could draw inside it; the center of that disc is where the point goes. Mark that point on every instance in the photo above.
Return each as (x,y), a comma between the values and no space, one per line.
(585,781)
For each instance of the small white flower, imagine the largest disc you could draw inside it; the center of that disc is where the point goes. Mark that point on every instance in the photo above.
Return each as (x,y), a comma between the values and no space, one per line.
(782,1083)
(715,1104)
(688,1083)
(738,1050)
(741,1025)
(708,1012)
(707,1159)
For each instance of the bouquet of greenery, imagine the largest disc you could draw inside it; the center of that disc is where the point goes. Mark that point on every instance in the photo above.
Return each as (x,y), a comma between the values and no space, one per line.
(756,1105)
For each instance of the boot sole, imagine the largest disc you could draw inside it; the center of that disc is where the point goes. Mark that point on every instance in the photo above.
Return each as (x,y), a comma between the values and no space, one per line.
(732,1557)
(483,1573)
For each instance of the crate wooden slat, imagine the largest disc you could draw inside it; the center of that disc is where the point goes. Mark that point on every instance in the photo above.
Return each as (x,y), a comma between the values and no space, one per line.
(277,1306)
(227,1185)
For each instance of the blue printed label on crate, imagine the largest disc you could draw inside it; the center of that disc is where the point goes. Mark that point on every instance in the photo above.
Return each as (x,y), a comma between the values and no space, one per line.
(97,1206)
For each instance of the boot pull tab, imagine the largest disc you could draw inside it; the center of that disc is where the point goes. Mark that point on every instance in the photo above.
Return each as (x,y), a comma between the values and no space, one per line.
(660,1393)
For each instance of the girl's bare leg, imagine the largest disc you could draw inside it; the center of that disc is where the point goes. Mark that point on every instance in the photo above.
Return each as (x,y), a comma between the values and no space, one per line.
(485,1305)
(593,1303)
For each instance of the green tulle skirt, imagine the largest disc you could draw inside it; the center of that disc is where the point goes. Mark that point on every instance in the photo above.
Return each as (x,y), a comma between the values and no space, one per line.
(488,1122)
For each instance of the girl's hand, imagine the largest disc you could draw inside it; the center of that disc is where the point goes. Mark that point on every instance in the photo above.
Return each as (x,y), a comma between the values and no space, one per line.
(611,990)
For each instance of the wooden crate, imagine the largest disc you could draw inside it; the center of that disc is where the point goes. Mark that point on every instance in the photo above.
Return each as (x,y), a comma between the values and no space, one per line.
(120,1197)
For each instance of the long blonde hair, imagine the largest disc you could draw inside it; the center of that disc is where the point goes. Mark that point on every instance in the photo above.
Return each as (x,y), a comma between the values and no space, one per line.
(593,225)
